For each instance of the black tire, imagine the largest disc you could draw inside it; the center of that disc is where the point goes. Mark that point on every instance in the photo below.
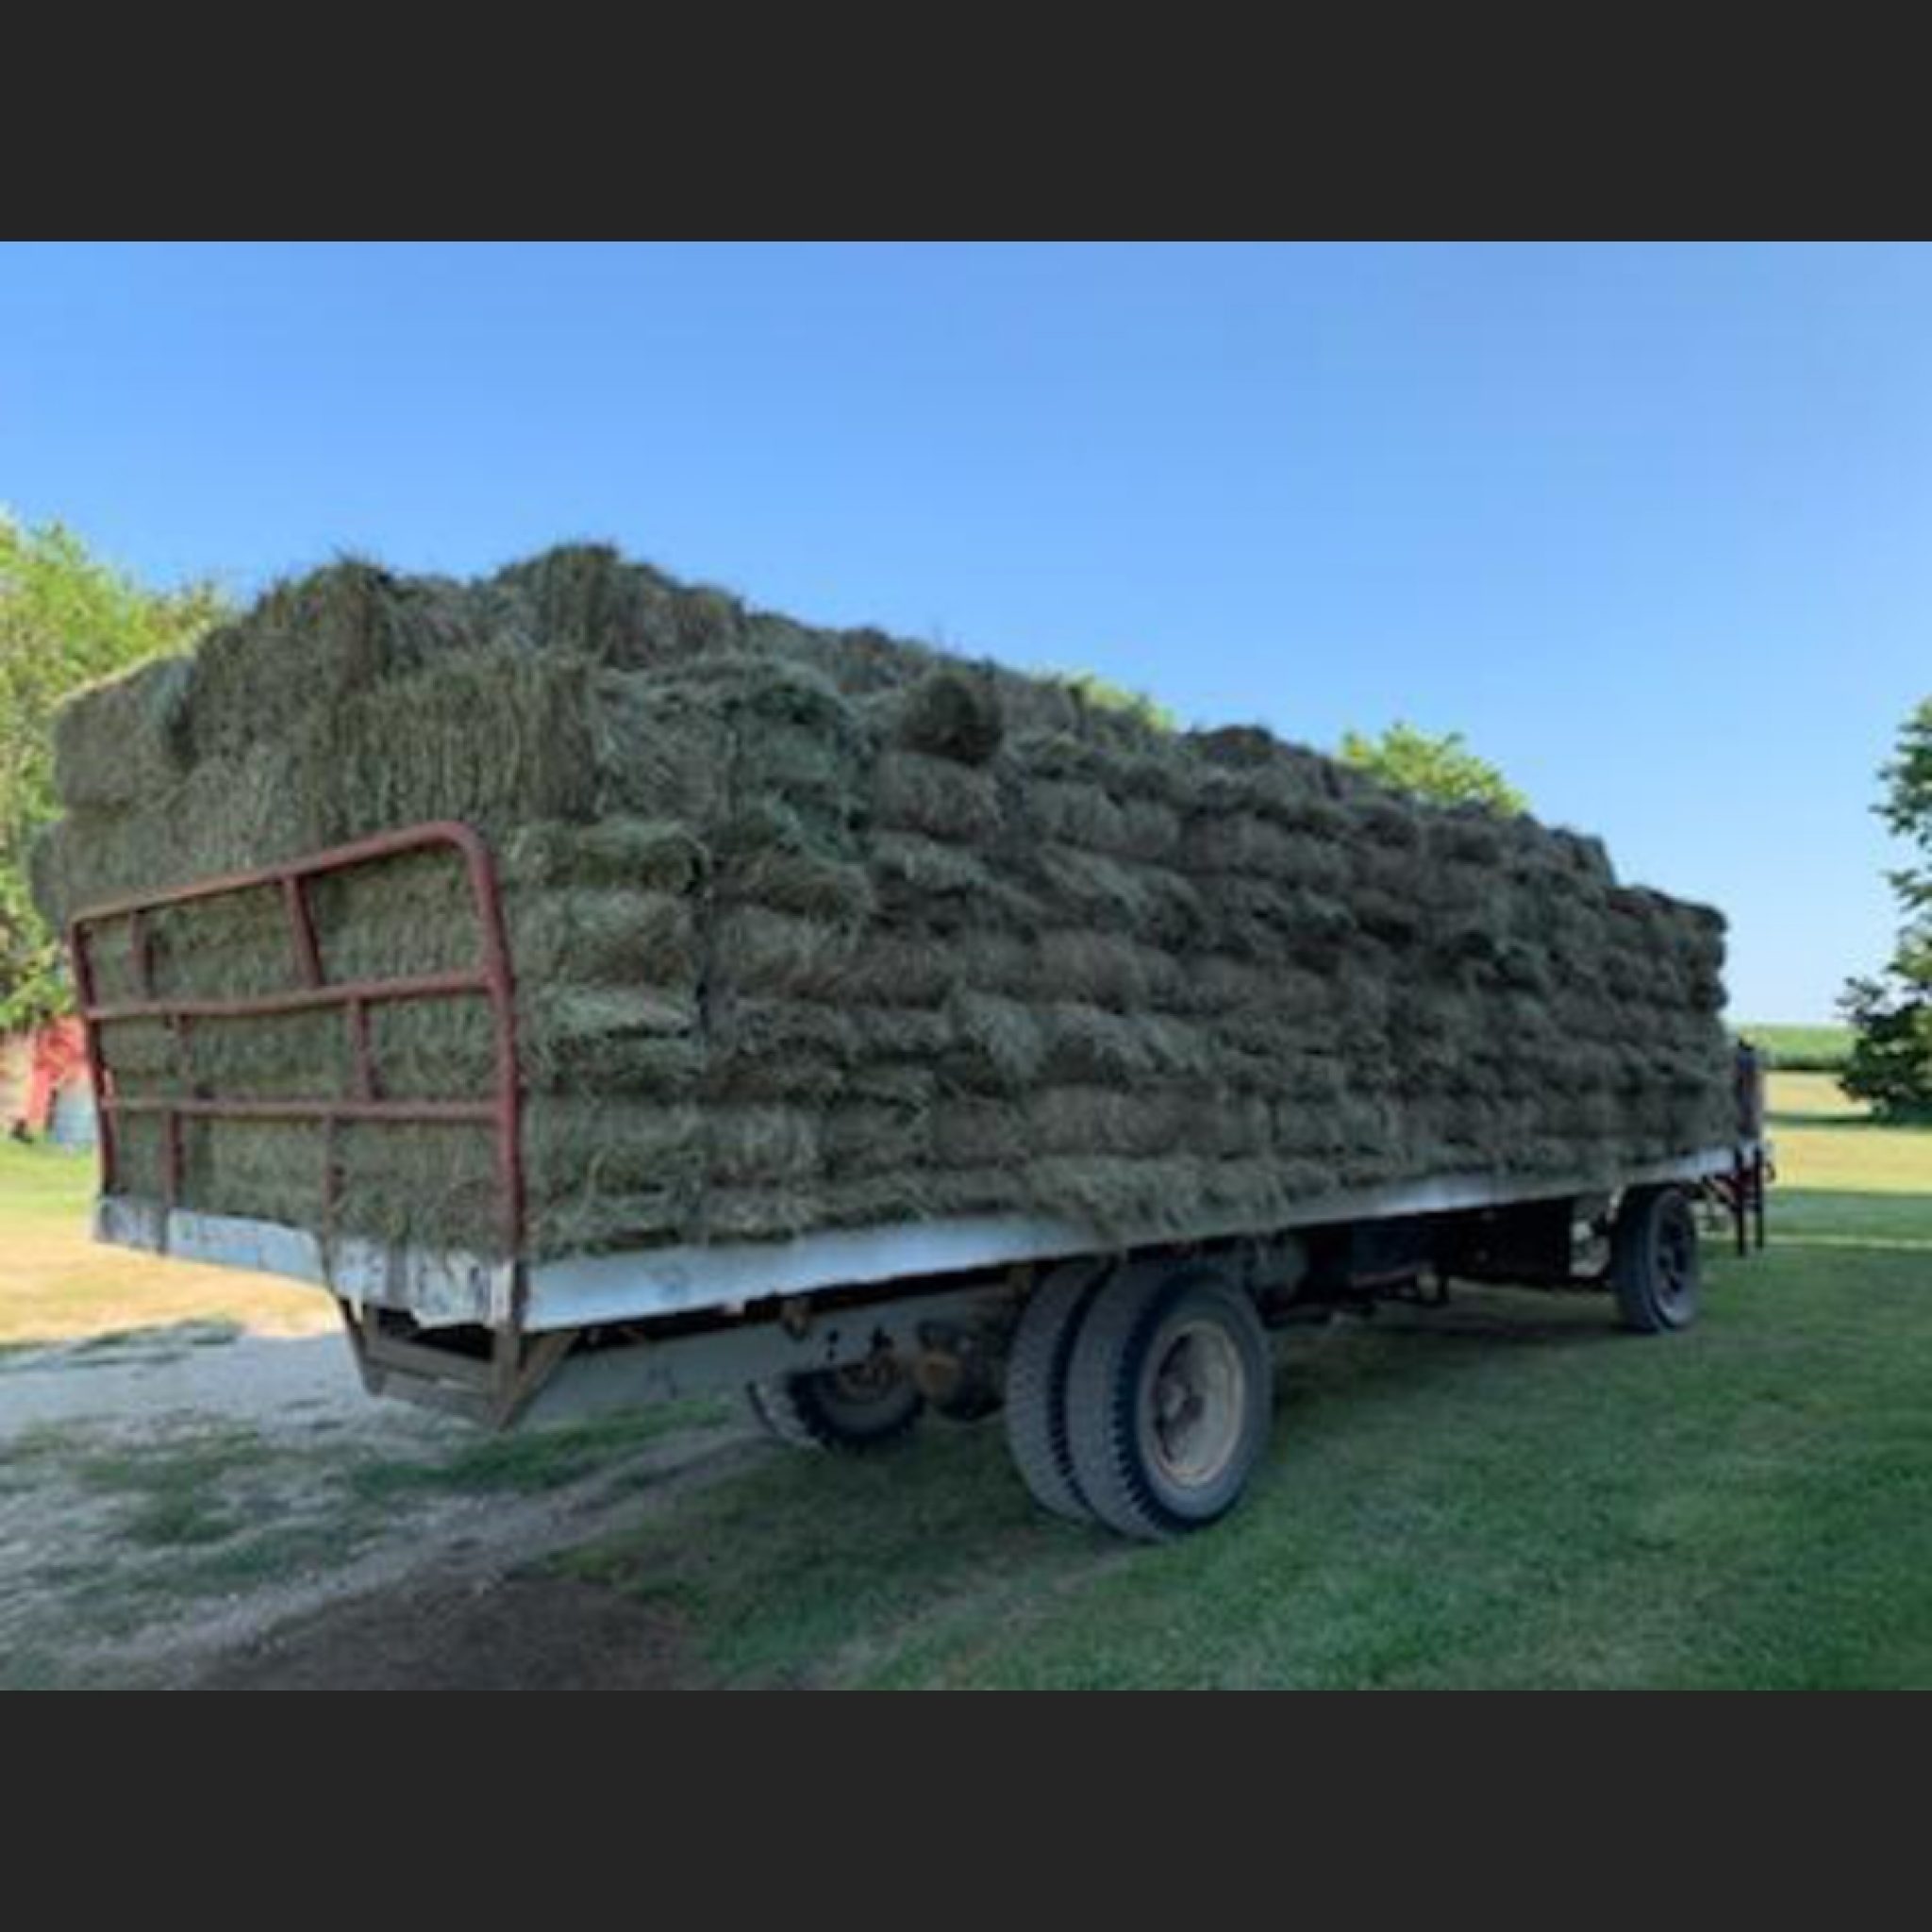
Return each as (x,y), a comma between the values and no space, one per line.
(867,1406)
(1037,1387)
(1654,1262)
(1168,1400)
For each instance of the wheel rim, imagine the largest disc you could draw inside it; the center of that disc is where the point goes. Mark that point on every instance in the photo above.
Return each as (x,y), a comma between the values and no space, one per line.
(1195,1401)
(861,1384)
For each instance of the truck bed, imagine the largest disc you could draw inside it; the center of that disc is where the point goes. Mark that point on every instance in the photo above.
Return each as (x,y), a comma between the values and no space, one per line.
(448,1287)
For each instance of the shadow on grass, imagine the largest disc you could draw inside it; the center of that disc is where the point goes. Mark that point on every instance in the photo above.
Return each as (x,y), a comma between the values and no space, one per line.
(122,1347)
(538,1459)
(801,1569)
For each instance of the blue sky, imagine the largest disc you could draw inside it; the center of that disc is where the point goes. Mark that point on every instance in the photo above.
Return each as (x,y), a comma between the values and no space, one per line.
(1648,524)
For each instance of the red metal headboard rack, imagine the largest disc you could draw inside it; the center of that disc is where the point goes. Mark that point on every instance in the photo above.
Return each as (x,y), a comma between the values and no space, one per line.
(312,990)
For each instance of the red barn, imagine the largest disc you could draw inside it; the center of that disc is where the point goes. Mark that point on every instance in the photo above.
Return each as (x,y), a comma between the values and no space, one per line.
(44,1087)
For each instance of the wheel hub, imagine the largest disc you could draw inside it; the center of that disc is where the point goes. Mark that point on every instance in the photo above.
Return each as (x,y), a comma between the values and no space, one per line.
(1196,1403)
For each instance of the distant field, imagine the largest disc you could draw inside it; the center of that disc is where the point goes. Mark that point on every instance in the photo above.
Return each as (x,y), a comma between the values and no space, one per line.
(1801,1049)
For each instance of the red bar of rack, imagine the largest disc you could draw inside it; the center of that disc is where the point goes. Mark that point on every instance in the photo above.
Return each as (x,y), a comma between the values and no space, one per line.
(491,980)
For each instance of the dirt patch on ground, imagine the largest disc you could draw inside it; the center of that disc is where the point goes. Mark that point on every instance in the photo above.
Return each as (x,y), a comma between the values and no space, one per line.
(184,1505)
(494,1633)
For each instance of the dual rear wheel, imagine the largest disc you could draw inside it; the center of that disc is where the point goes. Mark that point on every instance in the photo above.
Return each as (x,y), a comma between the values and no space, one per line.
(1145,1406)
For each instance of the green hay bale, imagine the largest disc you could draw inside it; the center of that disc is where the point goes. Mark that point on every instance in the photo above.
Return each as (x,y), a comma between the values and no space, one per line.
(888,1200)
(759,1145)
(914,792)
(408,916)
(1149,902)
(1120,1198)
(586,1221)
(627,1149)
(310,645)
(110,955)
(1092,818)
(1083,1043)
(1106,970)
(883,1039)
(139,1156)
(1245,842)
(778,1049)
(615,1063)
(594,1038)
(1223,1127)
(142,1058)
(228,948)
(442,1049)
(875,1137)
(899,1083)
(976,1131)
(124,740)
(910,970)
(648,854)
(274,1170)
(282,1057)
(761,1213)
(816,887)
(492,738)
(993,1044)
(430,1185)
(605,937)
(583,597)
(950,713)
(665,747)
(914,871)
(759,952)
(226,816)
(1107,1120)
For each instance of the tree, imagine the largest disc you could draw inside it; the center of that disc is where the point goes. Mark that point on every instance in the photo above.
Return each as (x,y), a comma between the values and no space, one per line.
(1444,769)
(1891,1014)
(66,619)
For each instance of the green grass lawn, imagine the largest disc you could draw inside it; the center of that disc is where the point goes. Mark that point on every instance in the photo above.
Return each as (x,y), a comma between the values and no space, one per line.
(1511,1493)
(58,1285)
(40,1187)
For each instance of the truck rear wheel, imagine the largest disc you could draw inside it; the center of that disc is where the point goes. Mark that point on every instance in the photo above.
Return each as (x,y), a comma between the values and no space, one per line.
(1037,1387)
(1168,1400)
(1654,1264)
(858,1407)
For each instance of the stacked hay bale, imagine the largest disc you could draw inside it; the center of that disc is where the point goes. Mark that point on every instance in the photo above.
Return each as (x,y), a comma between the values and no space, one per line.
(816,929)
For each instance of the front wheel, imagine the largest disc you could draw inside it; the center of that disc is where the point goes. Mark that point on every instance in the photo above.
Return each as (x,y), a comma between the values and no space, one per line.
(1654,1262)
(865,1406)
